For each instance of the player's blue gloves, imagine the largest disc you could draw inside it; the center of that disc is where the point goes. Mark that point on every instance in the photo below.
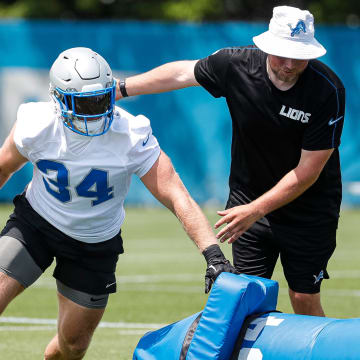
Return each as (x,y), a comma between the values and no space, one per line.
(216,264)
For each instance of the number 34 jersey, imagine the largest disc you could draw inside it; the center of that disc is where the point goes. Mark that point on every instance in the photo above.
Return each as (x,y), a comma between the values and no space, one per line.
(80,183)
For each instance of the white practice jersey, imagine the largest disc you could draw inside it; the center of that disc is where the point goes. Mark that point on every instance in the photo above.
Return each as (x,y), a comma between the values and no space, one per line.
(80,183)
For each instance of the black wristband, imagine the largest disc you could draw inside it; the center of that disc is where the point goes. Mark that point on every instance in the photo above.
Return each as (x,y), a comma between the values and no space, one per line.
(122,88)
(213,251)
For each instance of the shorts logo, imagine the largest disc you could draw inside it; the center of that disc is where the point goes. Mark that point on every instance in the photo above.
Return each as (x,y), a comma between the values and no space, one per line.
(295,114)
(300,26)
(319,277)
(108,285)
(97,299)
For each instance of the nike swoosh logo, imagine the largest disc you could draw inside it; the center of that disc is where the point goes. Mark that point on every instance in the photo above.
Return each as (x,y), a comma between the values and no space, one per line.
(332,121)
(146,140)
(108,285)
(94,299)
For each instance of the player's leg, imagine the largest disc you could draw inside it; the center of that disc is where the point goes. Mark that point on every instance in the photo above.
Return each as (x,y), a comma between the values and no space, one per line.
(254,253)
(18,270)
(9,289)
(77,322)
(304,255)
(23,258)
(85,276)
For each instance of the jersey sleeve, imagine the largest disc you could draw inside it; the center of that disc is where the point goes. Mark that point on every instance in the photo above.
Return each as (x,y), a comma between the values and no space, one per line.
(35,129)
(19,134)
(325,127)
(211,71)
(145,150)
(24,135)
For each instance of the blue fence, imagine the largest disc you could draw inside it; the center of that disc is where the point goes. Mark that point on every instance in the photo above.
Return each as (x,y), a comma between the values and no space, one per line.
(192,127)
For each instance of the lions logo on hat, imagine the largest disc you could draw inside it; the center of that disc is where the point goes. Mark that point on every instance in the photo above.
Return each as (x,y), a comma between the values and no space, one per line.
(300,26)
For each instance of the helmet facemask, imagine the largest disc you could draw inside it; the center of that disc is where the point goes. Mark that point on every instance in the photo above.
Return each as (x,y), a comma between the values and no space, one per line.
(87,113)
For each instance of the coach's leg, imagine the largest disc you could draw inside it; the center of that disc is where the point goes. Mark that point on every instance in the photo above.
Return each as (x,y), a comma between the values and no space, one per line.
(306,304)
(76,326)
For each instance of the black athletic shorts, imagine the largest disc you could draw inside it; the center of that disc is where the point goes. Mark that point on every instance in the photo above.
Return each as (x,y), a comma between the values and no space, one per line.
(304,253)
(85,267)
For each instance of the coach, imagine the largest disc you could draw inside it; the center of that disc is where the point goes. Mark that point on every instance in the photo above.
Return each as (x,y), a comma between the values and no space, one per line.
(287,113)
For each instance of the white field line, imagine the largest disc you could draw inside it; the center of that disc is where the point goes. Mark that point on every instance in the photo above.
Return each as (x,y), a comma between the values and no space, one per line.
(174,283)
(49,282)
(198,290)
(103,324)
(53,328)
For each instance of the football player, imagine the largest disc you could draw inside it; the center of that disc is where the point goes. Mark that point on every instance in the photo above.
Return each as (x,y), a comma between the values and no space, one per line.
(84,151)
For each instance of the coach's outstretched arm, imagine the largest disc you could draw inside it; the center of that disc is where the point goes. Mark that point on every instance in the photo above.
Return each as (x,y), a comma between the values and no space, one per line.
(165,184)
(167,77)
(10,159)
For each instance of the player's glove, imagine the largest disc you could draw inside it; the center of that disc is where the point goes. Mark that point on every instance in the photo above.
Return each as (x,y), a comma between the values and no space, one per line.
(216,264)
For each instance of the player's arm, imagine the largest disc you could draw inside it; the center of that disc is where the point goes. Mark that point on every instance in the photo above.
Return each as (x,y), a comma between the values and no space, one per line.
(165,184)
(292,185)
(167,77)
(10,158)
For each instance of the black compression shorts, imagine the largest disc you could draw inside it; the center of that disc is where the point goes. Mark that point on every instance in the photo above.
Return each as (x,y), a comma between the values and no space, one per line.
(85,267)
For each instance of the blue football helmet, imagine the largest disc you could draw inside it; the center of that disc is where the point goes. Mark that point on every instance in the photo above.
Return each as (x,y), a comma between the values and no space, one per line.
(83,88)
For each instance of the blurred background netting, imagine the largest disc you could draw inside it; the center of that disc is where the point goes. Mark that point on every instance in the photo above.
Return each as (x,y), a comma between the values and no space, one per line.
(137,35)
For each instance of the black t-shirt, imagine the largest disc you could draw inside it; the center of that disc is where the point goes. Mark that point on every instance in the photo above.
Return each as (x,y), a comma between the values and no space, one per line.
(271,127)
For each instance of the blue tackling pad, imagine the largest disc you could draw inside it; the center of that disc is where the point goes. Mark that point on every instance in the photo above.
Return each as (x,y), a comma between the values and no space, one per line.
(233,326)
(232,299)
(277,336)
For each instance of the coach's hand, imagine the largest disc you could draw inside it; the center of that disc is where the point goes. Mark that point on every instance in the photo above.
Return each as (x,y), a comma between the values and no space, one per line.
(237,219)
(216,264)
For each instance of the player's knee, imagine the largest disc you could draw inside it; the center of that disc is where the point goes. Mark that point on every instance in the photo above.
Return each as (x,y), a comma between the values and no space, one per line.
(75,346)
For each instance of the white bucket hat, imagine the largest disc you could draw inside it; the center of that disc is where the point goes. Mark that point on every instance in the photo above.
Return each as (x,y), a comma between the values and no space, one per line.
(290,35)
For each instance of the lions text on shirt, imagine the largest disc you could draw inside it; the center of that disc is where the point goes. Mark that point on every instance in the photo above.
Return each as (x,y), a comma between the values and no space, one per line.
(80,183)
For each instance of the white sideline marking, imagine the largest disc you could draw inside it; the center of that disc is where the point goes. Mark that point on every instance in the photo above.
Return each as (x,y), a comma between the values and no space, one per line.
(103,324)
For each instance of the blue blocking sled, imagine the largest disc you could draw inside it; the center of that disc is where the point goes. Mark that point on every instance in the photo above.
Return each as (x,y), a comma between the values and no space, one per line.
(211,334)
(239,323)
